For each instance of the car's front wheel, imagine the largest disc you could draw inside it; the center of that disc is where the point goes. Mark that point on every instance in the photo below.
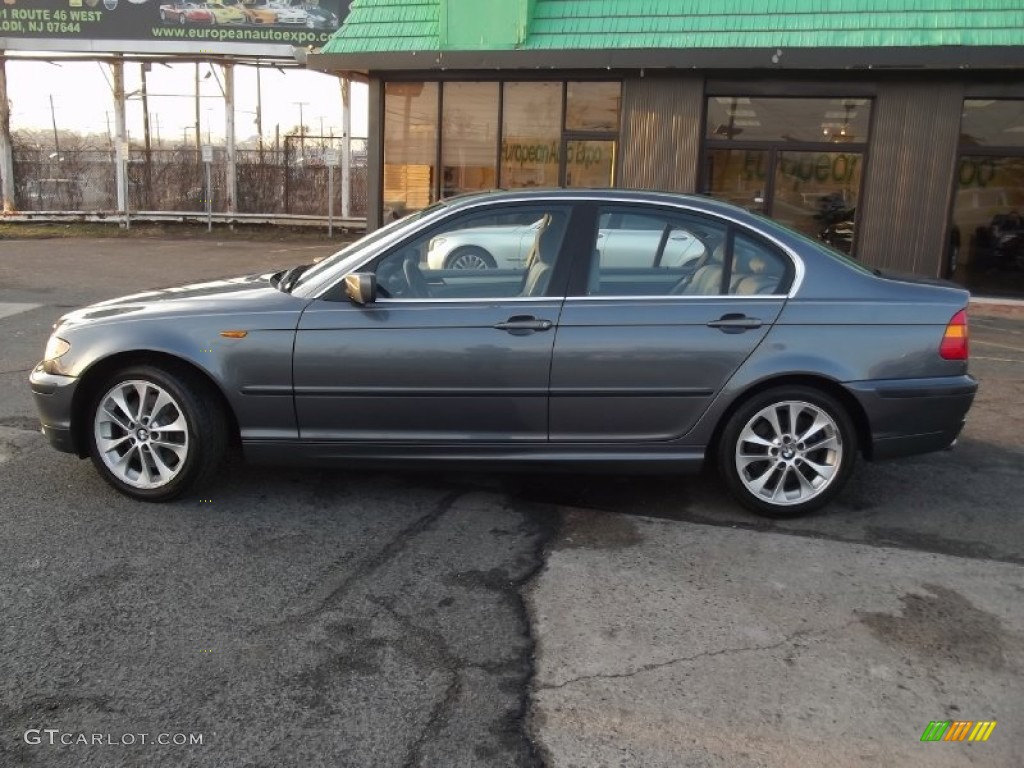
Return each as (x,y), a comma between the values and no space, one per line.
(470,257)
(156,434)
(787,451)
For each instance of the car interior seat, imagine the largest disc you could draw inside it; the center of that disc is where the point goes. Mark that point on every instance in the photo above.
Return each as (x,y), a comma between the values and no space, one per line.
(538,263)
(762,275)
(707,280)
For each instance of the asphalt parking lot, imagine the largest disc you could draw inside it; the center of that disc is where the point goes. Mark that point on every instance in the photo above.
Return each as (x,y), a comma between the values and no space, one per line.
(388,618)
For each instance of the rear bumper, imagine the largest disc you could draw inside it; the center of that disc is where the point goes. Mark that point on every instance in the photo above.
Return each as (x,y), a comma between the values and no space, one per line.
(912,416)
(53,396)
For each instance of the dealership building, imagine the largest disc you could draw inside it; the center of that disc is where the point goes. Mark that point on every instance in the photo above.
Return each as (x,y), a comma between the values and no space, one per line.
(893,129)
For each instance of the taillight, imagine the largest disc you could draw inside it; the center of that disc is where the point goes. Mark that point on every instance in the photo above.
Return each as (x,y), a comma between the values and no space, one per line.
(954,340)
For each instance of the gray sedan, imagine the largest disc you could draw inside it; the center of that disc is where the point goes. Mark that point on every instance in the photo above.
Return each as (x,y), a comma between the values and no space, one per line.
(775,357)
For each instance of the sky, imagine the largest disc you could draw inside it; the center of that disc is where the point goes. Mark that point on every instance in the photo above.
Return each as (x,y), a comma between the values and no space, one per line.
(83,100)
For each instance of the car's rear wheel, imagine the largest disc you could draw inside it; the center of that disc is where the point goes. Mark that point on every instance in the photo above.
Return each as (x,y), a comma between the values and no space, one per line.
(470,257)
(788,451)
(155,434)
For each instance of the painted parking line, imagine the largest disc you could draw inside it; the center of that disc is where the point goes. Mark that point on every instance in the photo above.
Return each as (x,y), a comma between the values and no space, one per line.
(8,309)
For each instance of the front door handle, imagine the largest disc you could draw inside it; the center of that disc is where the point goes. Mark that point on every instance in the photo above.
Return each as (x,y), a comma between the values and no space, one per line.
(735,323)
(520,325)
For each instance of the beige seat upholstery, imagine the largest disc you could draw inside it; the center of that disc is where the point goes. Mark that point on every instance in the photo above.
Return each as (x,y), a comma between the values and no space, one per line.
(707,280)
(538,264)
(762,276)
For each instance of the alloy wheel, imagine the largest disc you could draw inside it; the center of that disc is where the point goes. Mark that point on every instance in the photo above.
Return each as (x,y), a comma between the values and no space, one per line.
(789,453)
(141,434)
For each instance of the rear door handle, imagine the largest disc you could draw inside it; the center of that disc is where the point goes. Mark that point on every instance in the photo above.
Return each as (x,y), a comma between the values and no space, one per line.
(735,323)
(520,325)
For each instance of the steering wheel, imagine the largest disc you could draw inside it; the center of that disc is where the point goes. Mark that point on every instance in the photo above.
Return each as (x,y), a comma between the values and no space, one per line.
(418,285)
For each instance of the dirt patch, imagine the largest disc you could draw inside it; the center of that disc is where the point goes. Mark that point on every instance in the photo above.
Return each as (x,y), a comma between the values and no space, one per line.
(587,529)
(943,627)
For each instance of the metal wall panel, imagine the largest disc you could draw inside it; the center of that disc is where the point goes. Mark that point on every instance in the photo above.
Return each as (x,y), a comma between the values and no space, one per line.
(911,162)
(662,124)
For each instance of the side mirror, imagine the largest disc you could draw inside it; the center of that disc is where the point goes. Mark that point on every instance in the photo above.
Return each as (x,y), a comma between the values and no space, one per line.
(361,288)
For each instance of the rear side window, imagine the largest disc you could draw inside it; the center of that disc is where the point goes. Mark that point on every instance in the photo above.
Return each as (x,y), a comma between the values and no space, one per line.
(651,252)
(757,268)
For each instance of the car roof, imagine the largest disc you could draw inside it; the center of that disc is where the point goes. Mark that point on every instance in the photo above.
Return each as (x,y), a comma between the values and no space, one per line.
(701,202)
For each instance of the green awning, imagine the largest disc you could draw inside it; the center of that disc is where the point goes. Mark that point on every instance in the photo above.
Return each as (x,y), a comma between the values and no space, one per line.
(414,26)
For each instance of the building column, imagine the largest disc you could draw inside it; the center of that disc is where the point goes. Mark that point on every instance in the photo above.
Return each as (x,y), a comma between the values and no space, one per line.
(375,157)
(6,144)
(231,180)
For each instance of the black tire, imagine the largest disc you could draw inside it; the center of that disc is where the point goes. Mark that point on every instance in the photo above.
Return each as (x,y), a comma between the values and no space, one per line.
(792,456)
(469,252)
(207,431)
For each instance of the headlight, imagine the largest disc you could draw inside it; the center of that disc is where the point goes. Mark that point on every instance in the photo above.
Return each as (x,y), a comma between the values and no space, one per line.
(55,347)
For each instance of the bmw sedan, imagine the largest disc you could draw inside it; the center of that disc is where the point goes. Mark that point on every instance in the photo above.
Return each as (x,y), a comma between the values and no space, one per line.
(771,355)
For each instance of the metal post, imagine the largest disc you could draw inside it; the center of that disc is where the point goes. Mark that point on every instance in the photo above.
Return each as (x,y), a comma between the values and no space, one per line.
(231,180)
(330,200)
(6,145)
(120,138)
(346,148)
(209,199)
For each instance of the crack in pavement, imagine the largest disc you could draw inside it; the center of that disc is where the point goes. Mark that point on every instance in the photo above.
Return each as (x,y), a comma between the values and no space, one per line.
(704,655)
(439,717)
(370,565)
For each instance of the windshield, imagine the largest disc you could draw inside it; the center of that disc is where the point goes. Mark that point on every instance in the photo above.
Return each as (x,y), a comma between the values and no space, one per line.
(353,253)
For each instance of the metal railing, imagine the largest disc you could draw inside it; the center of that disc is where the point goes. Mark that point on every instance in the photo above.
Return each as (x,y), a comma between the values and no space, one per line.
(289,180)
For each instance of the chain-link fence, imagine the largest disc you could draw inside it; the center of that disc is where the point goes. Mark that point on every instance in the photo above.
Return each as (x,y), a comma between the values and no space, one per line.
(290,179)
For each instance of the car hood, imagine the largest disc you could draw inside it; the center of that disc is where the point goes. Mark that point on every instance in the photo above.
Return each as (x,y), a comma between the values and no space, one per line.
(237,295)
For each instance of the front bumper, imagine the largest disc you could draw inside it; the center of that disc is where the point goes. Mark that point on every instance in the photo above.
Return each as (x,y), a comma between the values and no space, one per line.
(54,396)
(913,416)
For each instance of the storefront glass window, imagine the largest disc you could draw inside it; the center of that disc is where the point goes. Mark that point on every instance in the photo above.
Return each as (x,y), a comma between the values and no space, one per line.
(986,250)
(469,137)
(816,193)
(799,161)
(739,176)
(410,146)
(739,118)
(593,106)
(589,163)
(992,122)
(531,134)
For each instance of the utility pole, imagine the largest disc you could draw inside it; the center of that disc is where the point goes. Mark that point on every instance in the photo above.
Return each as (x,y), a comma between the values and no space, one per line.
(121,137)
(146,139)
(302,129)
(56,141)
(199,136)
(259,110)
(231,180)
(346,147)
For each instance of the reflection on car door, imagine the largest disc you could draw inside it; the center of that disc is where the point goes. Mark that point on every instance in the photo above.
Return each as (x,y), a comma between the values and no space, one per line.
(449,368)
(634,364)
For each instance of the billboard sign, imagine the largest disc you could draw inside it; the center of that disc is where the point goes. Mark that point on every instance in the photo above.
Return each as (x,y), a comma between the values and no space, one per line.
(250,27)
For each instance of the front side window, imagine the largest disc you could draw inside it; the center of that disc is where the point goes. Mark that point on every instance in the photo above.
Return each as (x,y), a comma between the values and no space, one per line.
(501,253)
